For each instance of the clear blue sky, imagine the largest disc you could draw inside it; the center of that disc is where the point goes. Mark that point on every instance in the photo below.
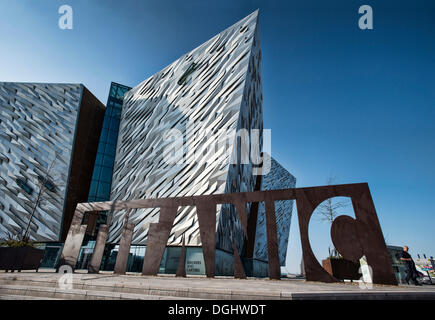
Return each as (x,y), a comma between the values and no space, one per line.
(356,104)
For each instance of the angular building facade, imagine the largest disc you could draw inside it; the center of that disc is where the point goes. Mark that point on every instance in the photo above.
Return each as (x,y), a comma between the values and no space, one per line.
(49,135)
(182,133)
(194,128)
(216,87)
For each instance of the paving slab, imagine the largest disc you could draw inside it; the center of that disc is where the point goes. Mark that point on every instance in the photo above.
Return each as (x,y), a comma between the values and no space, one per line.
(120,286)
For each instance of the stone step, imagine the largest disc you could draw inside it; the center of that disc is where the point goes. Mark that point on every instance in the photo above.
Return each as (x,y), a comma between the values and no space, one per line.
(143,289)
(109,286)
(12,297)
(72,294)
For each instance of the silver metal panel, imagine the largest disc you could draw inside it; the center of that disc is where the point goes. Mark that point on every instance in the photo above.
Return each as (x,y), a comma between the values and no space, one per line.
(37,125)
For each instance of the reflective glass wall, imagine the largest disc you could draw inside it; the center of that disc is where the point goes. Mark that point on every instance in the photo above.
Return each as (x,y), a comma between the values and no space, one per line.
(171,256)
(102,175)
(51,254)
(103,168)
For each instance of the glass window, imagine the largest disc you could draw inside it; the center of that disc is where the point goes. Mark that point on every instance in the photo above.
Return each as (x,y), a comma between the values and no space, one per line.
(99,159)
(105,122)
(112,136)
(110,150)
(109,258)
(103,136)
(96,173)
(101,147)
(135,259)
(117,112)
(51,255)
(107,119)
(162,266)
(113,90)
(108,161)
(194,261)
(172,258)
(111,114)
(114,124)
(106,174)
(93,190)
(119,93)
(104,189)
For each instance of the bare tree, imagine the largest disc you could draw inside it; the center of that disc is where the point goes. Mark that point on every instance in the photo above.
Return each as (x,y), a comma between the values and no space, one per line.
(44,183)
(329,209)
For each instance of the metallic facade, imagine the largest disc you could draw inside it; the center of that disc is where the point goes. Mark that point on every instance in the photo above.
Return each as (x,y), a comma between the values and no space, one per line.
(216,87)
(277,178)
(39,127)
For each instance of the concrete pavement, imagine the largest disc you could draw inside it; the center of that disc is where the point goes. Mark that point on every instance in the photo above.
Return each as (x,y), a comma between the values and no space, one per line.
(47,284)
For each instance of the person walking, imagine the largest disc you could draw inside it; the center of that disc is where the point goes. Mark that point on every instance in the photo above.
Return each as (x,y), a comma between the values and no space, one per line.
(411,270)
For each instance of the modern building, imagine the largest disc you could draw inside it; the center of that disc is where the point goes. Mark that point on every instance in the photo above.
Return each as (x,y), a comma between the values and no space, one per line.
(49,136)
(183,132)
(194,128)
(103,168)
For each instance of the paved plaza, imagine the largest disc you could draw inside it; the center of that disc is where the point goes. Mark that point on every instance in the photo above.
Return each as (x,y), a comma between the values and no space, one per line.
(46,284)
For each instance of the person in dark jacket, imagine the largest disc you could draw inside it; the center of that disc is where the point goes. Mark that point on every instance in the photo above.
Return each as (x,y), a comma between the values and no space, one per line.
(411,270)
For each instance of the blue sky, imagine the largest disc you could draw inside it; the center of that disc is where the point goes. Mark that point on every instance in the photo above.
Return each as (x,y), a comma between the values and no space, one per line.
(357,104)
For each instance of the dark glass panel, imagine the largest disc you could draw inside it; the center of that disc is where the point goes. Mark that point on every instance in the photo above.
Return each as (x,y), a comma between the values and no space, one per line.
(106,174)
(101,147)
(111,150)
(114,125)
(93,190)
(112,136)
(108,161)
(99,159)
(96,173)
(104,189)
(103,136)
(117,111)
(105,122)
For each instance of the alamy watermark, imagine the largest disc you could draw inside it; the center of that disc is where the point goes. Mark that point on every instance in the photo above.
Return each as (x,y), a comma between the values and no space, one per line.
(366,20)
(199,143)
(65,21)
(65,282)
